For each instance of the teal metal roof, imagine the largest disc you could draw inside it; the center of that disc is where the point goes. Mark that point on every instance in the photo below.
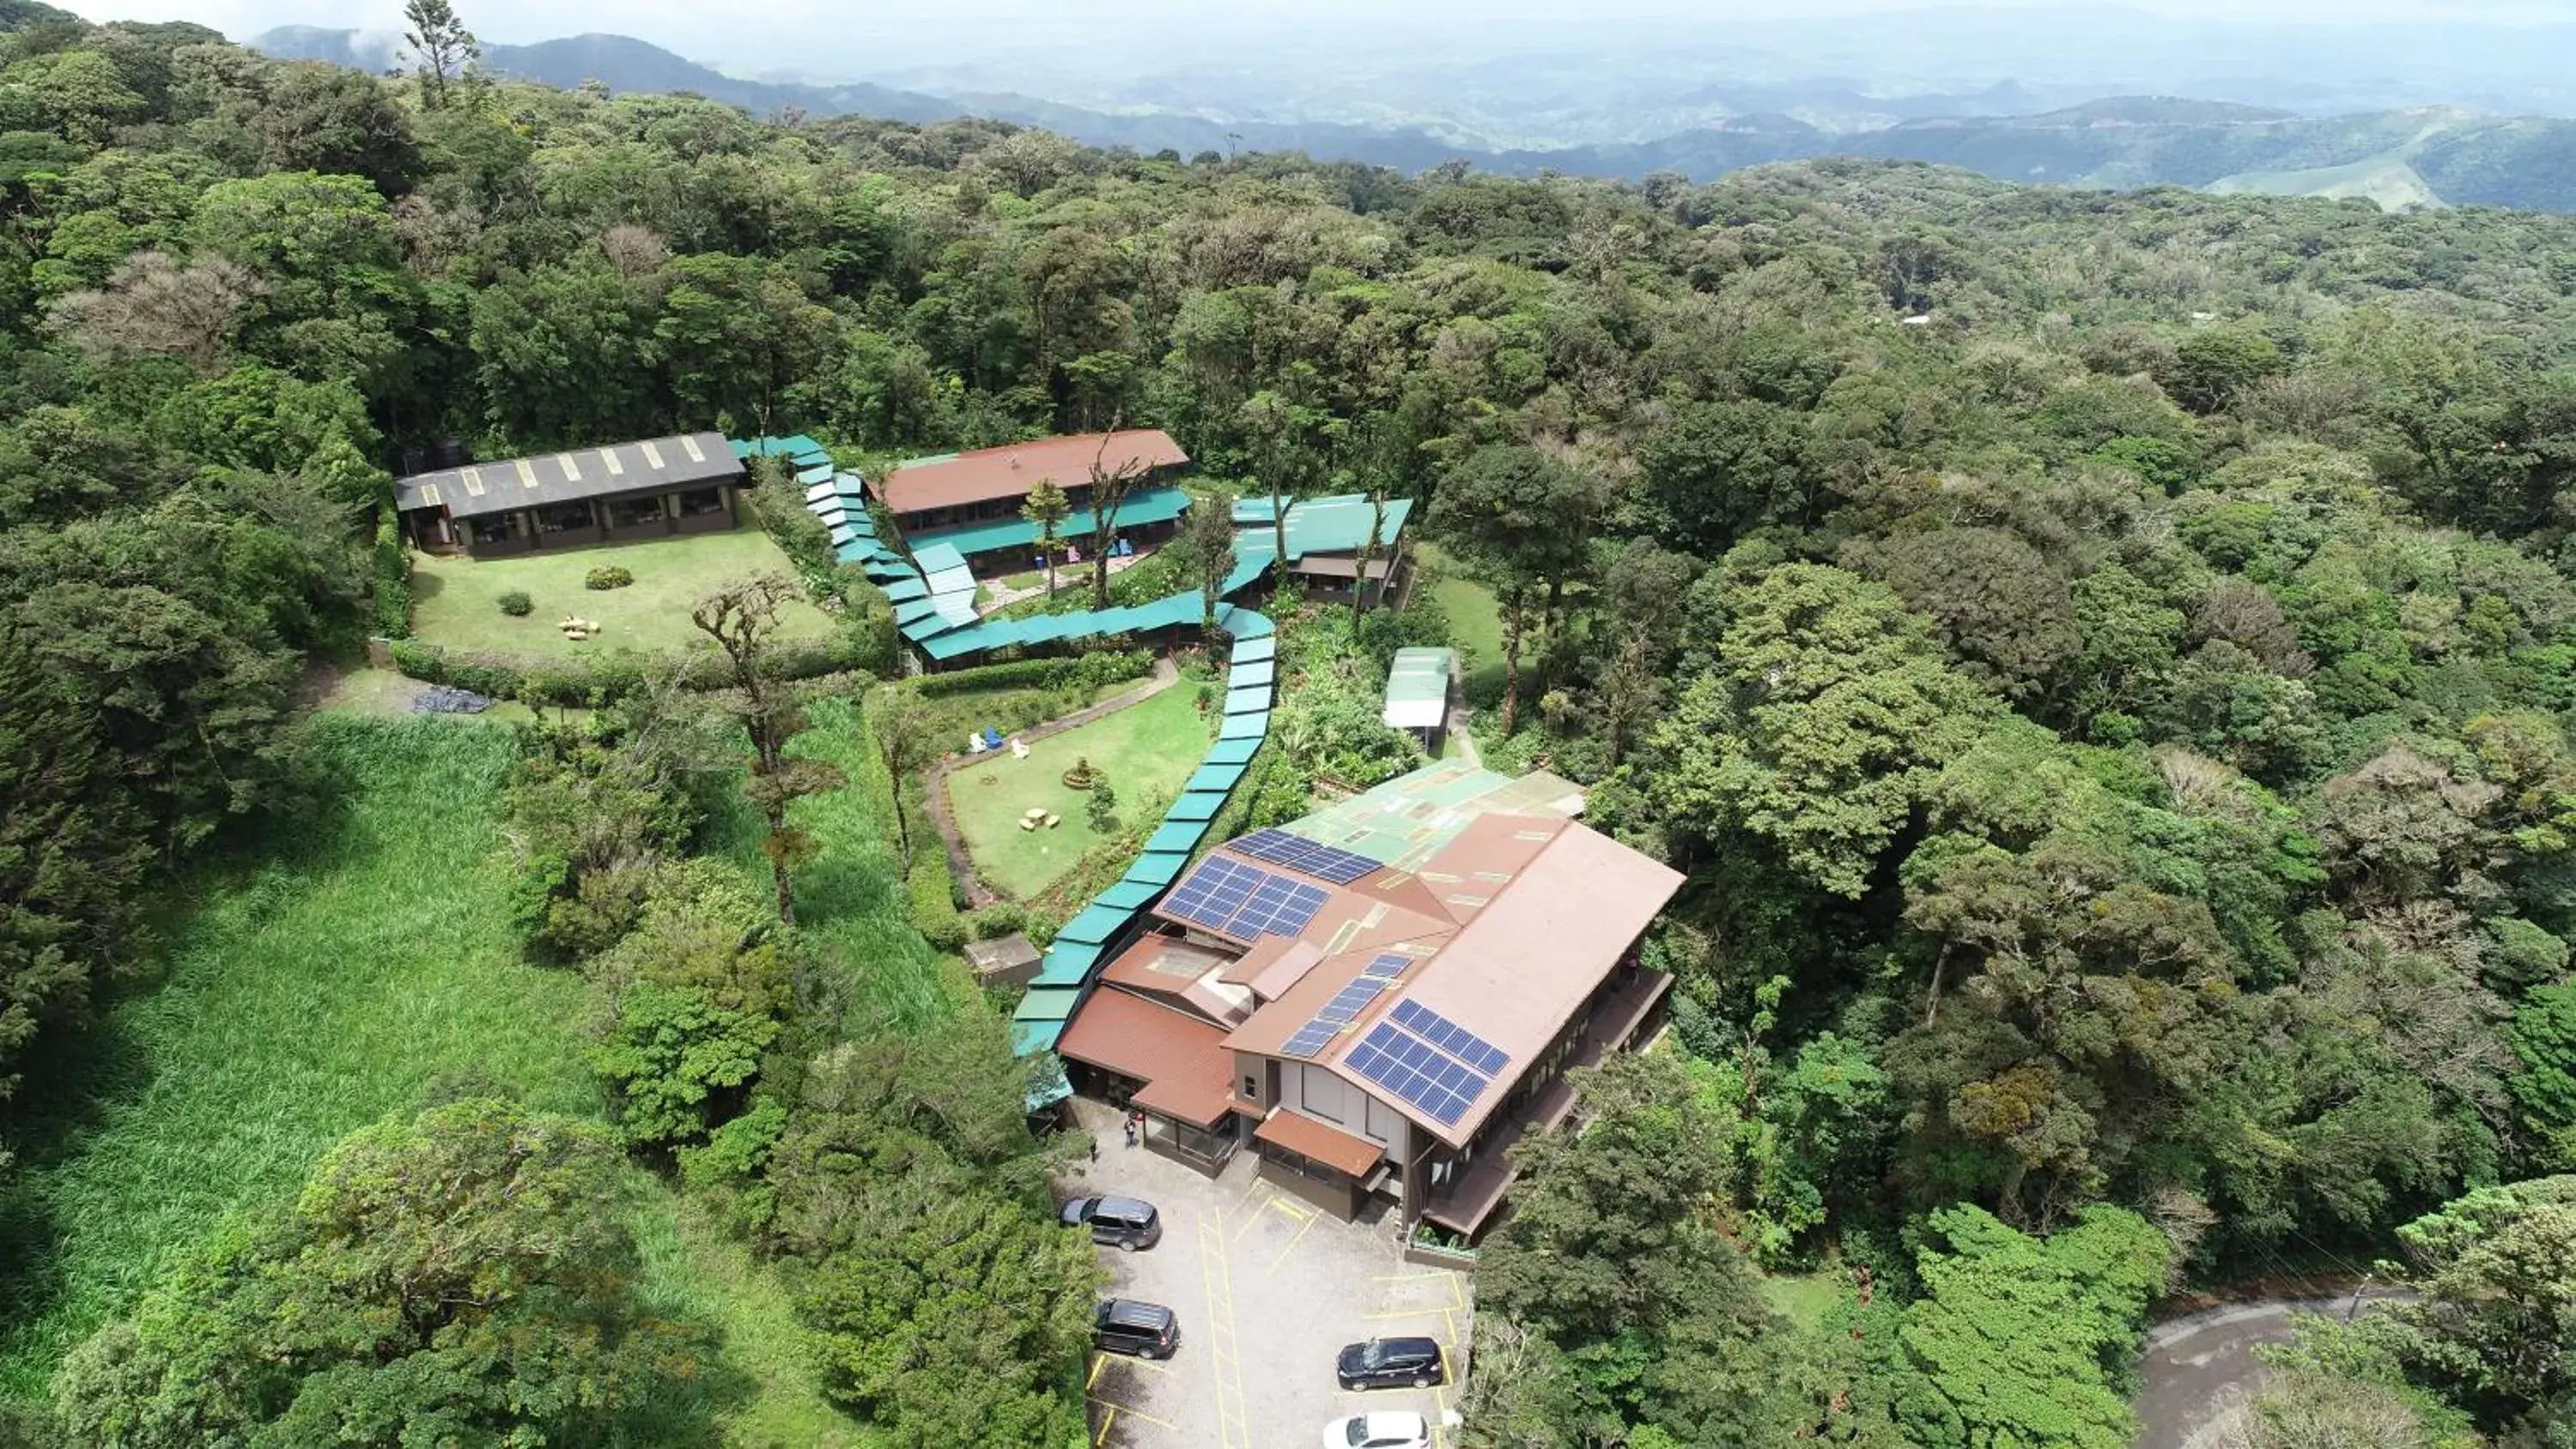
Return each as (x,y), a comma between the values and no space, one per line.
(914,610)
(1234,751)
(944,649)
(1260,673)
(1048,1003)
(1158,869)
(1215,777)
(1254,510)
(1197,805)
(904,591)
(1264,650)
(1179,835)
(1341,524)
(1095,925)
(1159,504)
(1050,1088)
(1254,699)
(1244,623)
(815,472)
(934,557)
(1028,1038)
(1128,895)
(1245,727)
(1067,963)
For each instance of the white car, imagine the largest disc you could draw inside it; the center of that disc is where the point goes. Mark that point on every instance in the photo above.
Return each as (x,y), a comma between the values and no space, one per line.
(1381,1430)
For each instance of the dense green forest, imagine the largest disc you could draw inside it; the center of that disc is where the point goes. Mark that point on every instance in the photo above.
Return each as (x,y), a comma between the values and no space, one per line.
(2105,662)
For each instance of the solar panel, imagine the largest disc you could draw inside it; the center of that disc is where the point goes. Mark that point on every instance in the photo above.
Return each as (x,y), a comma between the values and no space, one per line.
(1452,1038)
(1407,1066)
(1387,967)
(1349,1002)
(1324,862)
(1309,1040)
(1237,900)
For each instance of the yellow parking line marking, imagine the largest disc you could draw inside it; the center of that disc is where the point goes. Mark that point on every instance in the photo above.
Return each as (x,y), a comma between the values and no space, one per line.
(1292,1241)
(1099,1361)
(1118,1411)
(1408,1313)
(1107,1422)
(1225,1349)
(1416,1278)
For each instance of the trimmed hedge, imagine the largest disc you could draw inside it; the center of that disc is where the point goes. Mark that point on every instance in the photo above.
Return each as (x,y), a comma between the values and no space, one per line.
(930,892)
(1090,670)
(393,578)
(592,682)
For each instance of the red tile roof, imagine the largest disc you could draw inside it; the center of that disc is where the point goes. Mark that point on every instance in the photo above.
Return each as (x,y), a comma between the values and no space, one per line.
(1011,470)
(1339,1150)
(1189,1075)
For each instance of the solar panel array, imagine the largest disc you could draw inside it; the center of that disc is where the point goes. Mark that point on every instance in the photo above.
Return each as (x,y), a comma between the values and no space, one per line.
(1387,967)
(1415,1072)
(1323,862)
(1238,900)
(1452,1038)
(1341,1011)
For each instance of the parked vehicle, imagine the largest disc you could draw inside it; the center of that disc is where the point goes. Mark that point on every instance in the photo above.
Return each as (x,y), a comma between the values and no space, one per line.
(1379,1431)
(1123,1223)
(1389,1362)
(1146,1330)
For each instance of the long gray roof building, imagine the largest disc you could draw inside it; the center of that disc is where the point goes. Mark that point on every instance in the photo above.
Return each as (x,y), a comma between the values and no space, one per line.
(656,464)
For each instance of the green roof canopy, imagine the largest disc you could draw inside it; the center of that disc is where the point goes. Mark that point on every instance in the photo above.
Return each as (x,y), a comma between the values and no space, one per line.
(1159,504)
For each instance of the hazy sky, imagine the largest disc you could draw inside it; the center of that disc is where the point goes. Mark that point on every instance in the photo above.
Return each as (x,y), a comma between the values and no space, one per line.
(770,31)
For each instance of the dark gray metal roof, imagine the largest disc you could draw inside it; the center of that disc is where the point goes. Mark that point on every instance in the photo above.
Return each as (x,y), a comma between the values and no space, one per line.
(650,466)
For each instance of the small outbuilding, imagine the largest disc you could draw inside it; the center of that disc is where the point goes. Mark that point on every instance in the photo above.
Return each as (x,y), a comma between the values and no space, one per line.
(1417,694)
(622,493)
(1004,961)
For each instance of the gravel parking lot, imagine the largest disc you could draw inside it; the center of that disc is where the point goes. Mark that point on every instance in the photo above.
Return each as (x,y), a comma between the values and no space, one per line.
(1267,1289)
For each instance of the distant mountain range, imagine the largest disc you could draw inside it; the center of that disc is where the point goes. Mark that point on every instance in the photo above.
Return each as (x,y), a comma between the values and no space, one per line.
(2419,156)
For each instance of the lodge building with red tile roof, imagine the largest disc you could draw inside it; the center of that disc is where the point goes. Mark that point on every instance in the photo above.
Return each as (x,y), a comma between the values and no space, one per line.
(1382,999)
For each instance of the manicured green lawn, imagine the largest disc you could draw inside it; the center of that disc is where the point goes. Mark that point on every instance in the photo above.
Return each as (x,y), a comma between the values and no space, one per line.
(456,601)
(341,968)
(1143,749)
(1475,624)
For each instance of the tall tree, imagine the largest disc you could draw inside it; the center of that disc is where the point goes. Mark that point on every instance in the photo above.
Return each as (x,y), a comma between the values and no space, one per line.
(1206,546)
(1109,489)
(441,46)
(902,723)
(1511,510)
(1046,509)
(743,621)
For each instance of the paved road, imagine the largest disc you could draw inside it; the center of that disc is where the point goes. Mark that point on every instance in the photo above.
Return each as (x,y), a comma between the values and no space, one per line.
(2197,1368)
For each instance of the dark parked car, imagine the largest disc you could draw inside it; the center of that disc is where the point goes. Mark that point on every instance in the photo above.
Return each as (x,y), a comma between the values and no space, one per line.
(1120,1222)
(1147,1330)
(1389,1362)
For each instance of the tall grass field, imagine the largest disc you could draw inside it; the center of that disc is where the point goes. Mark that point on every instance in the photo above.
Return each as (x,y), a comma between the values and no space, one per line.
(339,967)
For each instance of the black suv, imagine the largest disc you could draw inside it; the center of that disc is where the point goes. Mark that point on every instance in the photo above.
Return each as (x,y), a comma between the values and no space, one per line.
(1120,1222)
(1147,1330)
(1389,1362)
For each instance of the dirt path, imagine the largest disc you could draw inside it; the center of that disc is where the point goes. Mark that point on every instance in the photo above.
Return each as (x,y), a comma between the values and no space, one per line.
(935,779)
(2197,1370)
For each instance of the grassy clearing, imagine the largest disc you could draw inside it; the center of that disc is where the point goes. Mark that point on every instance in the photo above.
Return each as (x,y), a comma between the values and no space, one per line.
(456,601)
(364,956)
(388,693)
(1143,749)
(328,975)
(1804,1299)
(1475,623)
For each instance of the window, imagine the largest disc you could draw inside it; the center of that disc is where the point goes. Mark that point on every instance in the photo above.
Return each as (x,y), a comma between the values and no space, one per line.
(634,512)
(565,518)
(1379,1121)
(495,527)
(699,502)
(1252,1089)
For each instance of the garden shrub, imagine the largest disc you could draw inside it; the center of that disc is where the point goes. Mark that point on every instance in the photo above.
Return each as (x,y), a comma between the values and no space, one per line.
(780,506)
(590,683)
(607,576)
(517,604)
(1108,666)
(995,921)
